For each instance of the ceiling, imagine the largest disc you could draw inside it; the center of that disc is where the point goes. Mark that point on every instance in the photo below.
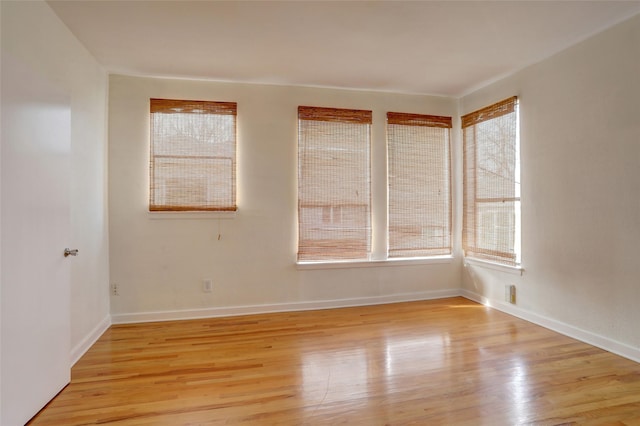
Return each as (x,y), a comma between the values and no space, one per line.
(444,48)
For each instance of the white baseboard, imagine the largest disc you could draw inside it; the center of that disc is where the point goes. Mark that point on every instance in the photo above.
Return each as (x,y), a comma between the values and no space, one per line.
(597,340)
(279,307)
(588,337)
(89,339)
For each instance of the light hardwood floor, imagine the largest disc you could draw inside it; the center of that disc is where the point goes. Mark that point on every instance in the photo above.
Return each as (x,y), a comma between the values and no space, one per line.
(440,362)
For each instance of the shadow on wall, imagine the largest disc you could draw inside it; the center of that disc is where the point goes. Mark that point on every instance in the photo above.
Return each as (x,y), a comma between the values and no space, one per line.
(472,281)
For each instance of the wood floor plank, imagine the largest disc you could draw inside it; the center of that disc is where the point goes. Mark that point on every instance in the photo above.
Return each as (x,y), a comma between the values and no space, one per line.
(447,361)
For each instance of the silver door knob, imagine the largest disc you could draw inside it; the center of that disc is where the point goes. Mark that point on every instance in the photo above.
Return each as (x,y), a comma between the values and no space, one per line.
(69,252)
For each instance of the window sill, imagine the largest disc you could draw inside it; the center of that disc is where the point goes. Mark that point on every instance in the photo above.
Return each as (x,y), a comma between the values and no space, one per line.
(191,215)
(374,263)
(515,270)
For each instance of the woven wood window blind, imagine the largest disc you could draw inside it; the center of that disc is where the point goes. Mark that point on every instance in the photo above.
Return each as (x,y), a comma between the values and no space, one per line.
(334,195)
(419,185)
(193,156)
(491,182)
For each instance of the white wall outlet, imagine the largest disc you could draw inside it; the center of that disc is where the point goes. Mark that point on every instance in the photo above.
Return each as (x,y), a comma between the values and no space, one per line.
(114,289)
(207,285)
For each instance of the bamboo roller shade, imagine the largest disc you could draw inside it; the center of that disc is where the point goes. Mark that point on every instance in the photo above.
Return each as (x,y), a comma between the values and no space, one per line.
(419,185)
(335,114)
(334,195)
(405,119)
(496,110)
(491,187)
(174,106)
(193,155)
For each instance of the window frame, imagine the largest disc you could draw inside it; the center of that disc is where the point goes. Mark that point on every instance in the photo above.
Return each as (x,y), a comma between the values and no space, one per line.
(384,259)
(319,250)
(470,232)
(410,120)
(158,206)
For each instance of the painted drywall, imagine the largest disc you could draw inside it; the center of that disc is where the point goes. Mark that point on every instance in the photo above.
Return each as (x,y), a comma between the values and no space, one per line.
(158,263)
(580,154)
(35,36)
(1,203)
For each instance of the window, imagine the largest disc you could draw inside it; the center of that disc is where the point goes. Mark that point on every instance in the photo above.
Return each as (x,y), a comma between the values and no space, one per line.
(491,211)
(193,156)
(419,185)
(334,195)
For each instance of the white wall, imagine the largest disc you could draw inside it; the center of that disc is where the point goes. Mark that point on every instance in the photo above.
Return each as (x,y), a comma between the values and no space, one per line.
(1,14)
(158,264)
(580,138)
(580,184)
(34,35)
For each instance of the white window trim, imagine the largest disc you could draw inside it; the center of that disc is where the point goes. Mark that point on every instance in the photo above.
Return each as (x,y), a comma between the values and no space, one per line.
(514,270)
(172,215)
(400,261)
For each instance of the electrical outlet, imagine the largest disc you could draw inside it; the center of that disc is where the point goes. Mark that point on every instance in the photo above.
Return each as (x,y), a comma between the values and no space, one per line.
(510,293)
(207,285)
(114,289)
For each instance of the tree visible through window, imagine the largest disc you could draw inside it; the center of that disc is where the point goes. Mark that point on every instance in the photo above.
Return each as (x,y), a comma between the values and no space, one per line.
(193,156)
(491,211)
